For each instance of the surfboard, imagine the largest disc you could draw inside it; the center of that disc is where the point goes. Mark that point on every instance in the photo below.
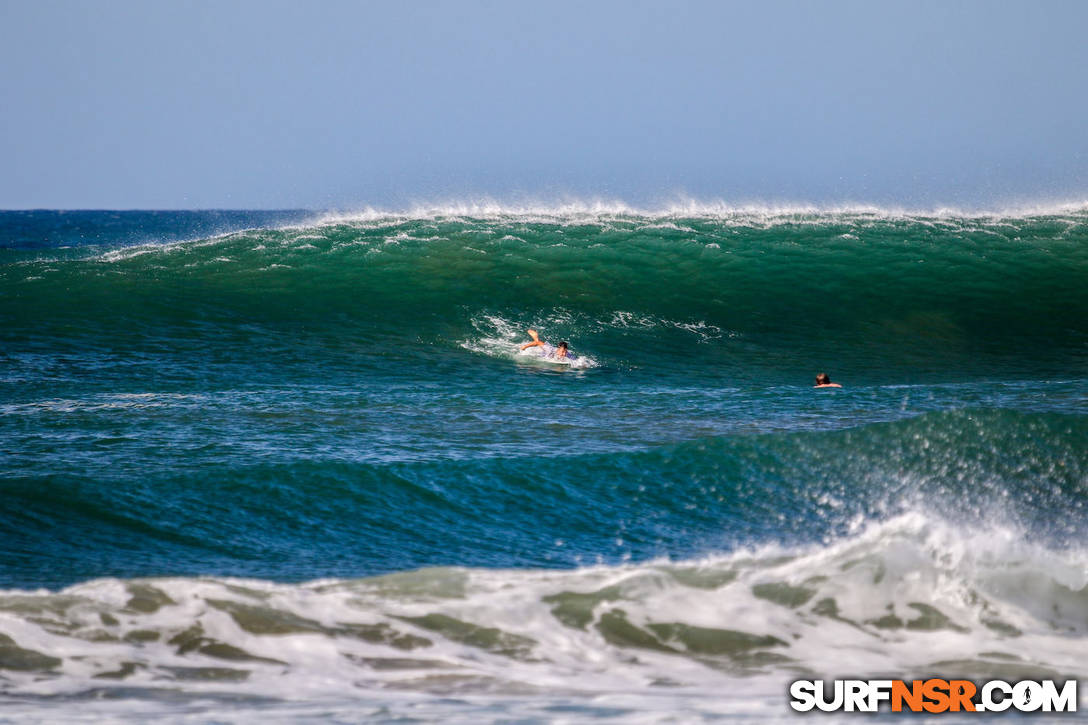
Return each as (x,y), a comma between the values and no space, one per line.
(539,353)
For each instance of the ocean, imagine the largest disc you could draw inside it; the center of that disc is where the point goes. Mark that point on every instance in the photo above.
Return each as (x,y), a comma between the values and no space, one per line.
(290,465)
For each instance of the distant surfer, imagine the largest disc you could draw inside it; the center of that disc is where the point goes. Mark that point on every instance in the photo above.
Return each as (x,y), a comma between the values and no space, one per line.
(823,381)
(559,352)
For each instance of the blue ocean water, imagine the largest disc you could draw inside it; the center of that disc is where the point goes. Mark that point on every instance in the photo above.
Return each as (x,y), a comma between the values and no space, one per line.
(247,449)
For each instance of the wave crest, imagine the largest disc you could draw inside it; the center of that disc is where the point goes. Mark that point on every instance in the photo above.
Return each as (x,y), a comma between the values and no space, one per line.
(907,597)
(601,209)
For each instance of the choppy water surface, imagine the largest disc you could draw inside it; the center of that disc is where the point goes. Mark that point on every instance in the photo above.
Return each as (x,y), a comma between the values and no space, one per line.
(289,465)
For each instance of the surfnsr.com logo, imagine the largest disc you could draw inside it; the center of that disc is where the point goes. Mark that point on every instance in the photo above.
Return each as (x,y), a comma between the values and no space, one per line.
(933,695)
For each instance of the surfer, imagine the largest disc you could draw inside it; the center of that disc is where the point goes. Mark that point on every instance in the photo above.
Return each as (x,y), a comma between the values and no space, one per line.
(823,381)
(559,353)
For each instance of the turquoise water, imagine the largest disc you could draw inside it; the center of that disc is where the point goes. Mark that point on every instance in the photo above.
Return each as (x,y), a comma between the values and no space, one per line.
(247,446)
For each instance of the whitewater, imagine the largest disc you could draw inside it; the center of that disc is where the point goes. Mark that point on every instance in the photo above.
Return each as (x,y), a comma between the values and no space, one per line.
(290,465)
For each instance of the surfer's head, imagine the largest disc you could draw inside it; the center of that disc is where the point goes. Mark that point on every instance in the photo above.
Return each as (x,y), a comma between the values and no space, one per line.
(823,379)
(561,351)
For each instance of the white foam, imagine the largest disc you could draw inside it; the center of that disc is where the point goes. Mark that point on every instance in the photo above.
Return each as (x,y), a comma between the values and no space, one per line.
(913,595)
(500,338)
(664,215)
(609,214)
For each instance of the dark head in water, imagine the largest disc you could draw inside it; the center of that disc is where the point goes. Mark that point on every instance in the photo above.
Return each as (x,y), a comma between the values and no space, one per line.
(824,381)
(561,351)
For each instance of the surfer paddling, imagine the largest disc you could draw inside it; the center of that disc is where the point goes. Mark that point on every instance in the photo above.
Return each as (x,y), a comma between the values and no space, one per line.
(823,381)
(560,352)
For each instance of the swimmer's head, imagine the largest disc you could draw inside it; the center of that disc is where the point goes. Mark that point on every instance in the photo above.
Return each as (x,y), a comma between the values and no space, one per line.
(823,379)
(561,351)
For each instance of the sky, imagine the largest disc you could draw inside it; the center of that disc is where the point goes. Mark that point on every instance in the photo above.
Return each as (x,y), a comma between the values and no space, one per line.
(125,104)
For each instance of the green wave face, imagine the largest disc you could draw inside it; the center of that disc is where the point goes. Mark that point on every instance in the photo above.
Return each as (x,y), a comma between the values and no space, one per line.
(885,296)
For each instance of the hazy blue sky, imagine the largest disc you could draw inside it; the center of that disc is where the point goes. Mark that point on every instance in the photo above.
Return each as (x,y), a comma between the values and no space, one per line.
(134,104)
